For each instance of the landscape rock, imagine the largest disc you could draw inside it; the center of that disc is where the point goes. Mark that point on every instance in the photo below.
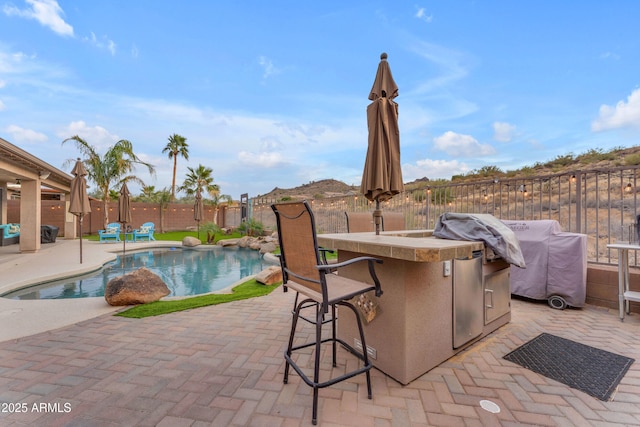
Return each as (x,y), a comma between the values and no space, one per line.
(191,242)
(139,287)
(270,275)
(228,242)
(245,241)
(268,247)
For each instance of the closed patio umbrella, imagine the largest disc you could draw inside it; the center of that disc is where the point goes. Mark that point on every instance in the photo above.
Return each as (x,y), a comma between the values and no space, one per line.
(382,176)
(198,210)
(79,201)
(124,214)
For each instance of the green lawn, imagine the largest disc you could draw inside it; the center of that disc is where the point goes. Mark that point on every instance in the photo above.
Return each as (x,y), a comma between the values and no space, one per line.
(179,235)
(248,289)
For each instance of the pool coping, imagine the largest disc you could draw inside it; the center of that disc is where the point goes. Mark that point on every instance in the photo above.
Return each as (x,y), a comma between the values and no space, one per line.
(21,318)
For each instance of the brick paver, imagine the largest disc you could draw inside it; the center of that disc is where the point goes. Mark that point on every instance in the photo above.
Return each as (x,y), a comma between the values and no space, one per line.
(223,365)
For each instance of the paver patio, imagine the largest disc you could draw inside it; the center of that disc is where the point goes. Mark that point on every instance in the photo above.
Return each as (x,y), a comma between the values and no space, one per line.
(223,365)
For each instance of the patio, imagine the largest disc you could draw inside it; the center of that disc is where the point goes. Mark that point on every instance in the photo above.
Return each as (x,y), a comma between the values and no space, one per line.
(223,365)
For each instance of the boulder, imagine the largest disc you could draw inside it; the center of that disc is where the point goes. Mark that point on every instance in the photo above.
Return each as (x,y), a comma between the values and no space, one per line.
(139,287)
(191,242)
(270,275)
(228,242)
(244,241)
(268,247)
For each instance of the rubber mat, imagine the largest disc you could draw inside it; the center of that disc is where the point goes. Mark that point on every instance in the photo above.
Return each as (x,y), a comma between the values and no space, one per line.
(589,369)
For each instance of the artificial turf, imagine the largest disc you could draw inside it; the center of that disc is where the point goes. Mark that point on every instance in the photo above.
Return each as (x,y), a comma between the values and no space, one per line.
(249,289)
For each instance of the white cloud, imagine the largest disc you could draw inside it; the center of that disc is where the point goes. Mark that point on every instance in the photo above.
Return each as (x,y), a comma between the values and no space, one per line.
(503,132)
(268,67)
(46,12)
(19,134)
(96,136)
(2,84)
(433,169)
(261,160)
(2,106)
(459,145)
(102,43)
(422,15)
(623,114)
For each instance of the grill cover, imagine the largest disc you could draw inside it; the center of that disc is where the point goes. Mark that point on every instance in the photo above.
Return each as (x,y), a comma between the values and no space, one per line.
(556,262)
(481,227)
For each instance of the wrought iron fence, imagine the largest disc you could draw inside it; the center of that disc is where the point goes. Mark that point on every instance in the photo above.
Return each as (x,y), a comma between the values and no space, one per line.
(602,204)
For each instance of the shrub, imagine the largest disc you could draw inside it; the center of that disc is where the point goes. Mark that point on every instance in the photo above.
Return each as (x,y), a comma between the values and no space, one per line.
(251,227)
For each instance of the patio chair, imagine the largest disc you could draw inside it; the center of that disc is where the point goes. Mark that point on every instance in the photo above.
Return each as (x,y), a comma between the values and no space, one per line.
(358,222)
(393,221)
(144,232)
(112,232)
(304,271)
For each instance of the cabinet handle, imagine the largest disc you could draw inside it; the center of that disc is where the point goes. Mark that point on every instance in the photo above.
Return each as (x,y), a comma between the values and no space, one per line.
(490,292)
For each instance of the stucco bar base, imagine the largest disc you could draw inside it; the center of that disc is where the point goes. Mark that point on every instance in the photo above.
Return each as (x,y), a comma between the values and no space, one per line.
(413,330)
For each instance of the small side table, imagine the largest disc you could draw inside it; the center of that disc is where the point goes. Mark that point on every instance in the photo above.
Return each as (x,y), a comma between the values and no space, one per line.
(624,294)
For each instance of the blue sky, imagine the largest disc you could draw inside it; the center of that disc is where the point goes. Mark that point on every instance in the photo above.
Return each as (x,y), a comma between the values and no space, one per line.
(275,93)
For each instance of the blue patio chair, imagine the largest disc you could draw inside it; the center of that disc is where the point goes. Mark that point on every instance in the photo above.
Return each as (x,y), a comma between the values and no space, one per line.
(112,232)
(144,232)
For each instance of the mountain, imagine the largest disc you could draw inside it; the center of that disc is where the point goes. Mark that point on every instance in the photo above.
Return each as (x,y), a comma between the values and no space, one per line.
(590,160)
(314,189)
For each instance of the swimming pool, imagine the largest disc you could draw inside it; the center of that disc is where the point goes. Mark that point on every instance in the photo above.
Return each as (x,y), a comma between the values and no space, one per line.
(186,272)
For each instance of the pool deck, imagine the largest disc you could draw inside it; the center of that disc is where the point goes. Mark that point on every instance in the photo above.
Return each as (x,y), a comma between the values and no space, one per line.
(223,365)
(54,261)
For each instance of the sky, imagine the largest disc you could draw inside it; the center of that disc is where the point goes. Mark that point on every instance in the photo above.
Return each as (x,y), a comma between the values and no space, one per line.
(274,93)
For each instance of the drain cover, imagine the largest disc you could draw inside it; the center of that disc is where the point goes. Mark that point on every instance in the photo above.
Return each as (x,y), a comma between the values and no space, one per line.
(489,406)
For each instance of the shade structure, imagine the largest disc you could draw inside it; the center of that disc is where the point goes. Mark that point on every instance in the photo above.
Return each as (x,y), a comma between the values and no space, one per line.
(382,175)
(79,200)
(198,210)
(124,214)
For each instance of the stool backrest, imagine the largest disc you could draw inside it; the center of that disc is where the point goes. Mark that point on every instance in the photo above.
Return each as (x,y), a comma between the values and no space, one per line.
(299,253)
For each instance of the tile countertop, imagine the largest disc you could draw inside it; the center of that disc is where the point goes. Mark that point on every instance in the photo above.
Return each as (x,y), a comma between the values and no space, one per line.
(409,245)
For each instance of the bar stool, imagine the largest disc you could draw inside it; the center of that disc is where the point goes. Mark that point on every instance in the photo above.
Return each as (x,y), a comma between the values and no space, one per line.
(304,271)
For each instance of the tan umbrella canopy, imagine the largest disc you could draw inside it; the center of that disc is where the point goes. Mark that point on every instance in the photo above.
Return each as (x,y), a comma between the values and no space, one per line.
(79,201)
(124,214)
(382,176)
(198,210)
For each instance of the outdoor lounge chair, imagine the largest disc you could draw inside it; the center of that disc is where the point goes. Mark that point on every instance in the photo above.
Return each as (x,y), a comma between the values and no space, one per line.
(304,271)
(9,234)
(112,232)
(144,232)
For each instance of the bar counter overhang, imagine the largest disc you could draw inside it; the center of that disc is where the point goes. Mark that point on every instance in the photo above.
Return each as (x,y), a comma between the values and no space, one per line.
(415,323)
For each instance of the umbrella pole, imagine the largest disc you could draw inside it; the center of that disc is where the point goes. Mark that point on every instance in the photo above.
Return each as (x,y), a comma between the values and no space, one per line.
(124,243)
(80,239)
(377,215)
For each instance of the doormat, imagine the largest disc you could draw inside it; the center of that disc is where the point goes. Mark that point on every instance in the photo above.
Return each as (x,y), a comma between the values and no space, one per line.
(591,370)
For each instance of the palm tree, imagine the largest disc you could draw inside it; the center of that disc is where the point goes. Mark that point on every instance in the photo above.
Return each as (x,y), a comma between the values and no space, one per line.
(177,145)
(147,194)
(199,179)
(216,200)
(111,169)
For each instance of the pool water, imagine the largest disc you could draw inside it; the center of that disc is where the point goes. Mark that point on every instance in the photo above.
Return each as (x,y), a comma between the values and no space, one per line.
(186,272)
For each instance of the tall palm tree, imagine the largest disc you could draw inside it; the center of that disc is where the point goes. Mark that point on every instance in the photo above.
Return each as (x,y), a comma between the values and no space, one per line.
(111,169)
(177,145)
(199,179)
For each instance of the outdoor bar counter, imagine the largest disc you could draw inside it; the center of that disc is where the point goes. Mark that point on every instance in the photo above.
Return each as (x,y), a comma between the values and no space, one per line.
(428,311)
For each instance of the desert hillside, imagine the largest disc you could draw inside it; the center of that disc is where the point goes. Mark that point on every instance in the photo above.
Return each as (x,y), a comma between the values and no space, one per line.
(592,159)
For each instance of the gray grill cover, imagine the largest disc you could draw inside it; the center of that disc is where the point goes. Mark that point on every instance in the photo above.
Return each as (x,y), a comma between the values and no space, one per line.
(481,227)
(556,262)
